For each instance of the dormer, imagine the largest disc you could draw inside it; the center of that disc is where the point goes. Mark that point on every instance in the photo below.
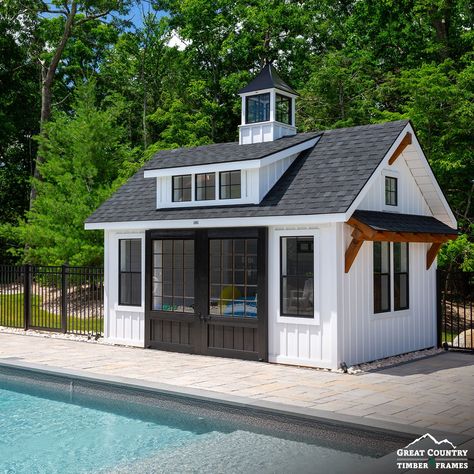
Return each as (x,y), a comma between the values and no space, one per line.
(268,108)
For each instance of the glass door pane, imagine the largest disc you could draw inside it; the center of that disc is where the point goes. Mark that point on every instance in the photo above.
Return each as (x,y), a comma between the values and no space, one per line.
(233,277)
(173,275)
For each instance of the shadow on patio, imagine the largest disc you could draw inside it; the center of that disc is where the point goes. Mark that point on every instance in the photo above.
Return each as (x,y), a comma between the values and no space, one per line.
(430,365)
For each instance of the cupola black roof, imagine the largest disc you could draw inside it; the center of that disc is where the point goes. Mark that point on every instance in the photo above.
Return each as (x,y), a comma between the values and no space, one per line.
(267,79)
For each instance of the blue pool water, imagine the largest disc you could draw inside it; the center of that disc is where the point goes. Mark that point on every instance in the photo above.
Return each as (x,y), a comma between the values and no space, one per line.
(40,434)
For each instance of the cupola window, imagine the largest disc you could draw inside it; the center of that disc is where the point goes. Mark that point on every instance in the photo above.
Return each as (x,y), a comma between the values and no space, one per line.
(257,108)
(283,109)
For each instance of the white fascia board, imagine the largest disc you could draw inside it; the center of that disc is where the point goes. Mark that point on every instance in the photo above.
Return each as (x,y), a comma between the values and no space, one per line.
(218,222)
(232,165)
(384,164)
(271,89)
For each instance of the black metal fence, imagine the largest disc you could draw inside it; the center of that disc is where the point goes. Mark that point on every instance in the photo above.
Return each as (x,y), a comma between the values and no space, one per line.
(455,305)
(52,298)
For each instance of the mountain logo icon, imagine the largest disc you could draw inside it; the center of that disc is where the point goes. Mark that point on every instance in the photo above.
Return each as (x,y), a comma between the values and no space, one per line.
(433,439)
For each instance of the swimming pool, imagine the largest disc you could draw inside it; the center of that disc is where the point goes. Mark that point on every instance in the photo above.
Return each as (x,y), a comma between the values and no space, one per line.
(54,424)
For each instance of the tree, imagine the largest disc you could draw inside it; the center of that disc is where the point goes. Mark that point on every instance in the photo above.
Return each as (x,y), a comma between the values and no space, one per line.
(72,14)
(19,101)
(78,174)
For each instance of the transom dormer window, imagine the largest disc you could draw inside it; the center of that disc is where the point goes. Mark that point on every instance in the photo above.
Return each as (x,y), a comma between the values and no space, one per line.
(182,188)
(391,191)
(257,108)
(205,186)
(230,185)
(283,109)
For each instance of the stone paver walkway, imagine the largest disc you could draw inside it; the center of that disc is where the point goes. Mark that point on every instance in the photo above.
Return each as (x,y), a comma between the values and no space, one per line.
(436,392)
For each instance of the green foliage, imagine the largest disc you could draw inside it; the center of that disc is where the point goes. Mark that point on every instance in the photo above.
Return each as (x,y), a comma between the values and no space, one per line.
(459,253)
(85,154)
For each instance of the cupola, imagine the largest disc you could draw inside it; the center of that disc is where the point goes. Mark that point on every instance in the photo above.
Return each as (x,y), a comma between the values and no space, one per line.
(268,108)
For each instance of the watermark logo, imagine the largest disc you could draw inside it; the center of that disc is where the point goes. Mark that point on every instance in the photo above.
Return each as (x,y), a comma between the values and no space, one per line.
(427,452)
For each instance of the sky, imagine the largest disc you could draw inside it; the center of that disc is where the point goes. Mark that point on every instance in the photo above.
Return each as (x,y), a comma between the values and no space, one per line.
(136,12)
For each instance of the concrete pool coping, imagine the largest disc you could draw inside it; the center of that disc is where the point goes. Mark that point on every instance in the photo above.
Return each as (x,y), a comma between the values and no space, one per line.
(269,407)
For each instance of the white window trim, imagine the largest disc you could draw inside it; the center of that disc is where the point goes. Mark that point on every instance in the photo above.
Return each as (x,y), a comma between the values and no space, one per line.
(389,173)
(401,313)
(244,198)
(315,233)
(115,271)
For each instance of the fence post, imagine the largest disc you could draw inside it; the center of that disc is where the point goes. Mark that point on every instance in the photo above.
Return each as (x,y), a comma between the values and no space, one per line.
(439,307)
(64,269)
(26,295)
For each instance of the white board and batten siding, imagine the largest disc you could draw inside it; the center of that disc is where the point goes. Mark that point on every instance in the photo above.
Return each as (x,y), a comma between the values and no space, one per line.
(305,341)
(123,324)
(365,336)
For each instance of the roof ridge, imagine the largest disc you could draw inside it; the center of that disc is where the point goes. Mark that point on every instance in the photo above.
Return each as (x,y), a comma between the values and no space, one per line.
(368,125)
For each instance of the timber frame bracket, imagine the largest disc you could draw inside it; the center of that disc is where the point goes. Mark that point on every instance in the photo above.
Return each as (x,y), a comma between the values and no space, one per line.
(406,140)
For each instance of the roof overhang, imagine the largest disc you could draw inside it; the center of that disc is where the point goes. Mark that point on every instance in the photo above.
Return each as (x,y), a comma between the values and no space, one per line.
(377,226)
(231,165)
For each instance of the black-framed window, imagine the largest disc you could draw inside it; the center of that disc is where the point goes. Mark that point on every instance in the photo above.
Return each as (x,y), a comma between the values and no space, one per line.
(400,276)
(233,277)
(257,108)
(381,277)
(283,109)
(391,191)
(297,276)
(173,275)
(182,188)
(130,272)
(205,186)
(230,184)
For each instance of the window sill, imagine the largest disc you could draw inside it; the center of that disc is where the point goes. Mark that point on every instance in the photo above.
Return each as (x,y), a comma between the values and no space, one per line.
(130,309)
(402,313)
(314,321)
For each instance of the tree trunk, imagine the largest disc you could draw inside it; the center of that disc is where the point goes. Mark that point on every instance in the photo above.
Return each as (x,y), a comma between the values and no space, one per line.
(48,74)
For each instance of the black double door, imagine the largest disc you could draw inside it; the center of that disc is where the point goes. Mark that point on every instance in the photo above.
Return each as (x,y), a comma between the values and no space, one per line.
(206,292)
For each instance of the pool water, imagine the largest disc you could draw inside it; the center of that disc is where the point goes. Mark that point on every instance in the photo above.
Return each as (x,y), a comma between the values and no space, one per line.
(41,434)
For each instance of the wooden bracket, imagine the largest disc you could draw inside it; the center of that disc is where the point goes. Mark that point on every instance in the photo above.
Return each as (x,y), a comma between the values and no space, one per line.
(351,253)
(431,254)
(407,140)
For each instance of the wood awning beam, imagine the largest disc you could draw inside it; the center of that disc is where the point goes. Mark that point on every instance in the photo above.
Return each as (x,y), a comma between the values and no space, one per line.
(431,254)
(406,140)
(387,236)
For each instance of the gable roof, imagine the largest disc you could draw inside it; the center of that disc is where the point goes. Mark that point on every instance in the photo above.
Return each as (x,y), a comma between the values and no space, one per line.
(325,179)
(267,78)
(223,152)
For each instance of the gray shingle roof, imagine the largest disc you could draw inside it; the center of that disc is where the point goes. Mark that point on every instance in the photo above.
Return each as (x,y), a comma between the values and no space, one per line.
(325,179)
(267,78)
(223,152)
(394,222)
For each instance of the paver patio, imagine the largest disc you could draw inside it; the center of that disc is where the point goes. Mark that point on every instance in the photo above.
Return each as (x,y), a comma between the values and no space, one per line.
(435,392)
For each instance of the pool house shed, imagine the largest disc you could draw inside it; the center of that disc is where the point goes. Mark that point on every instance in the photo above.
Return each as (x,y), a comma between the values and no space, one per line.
(298,248)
